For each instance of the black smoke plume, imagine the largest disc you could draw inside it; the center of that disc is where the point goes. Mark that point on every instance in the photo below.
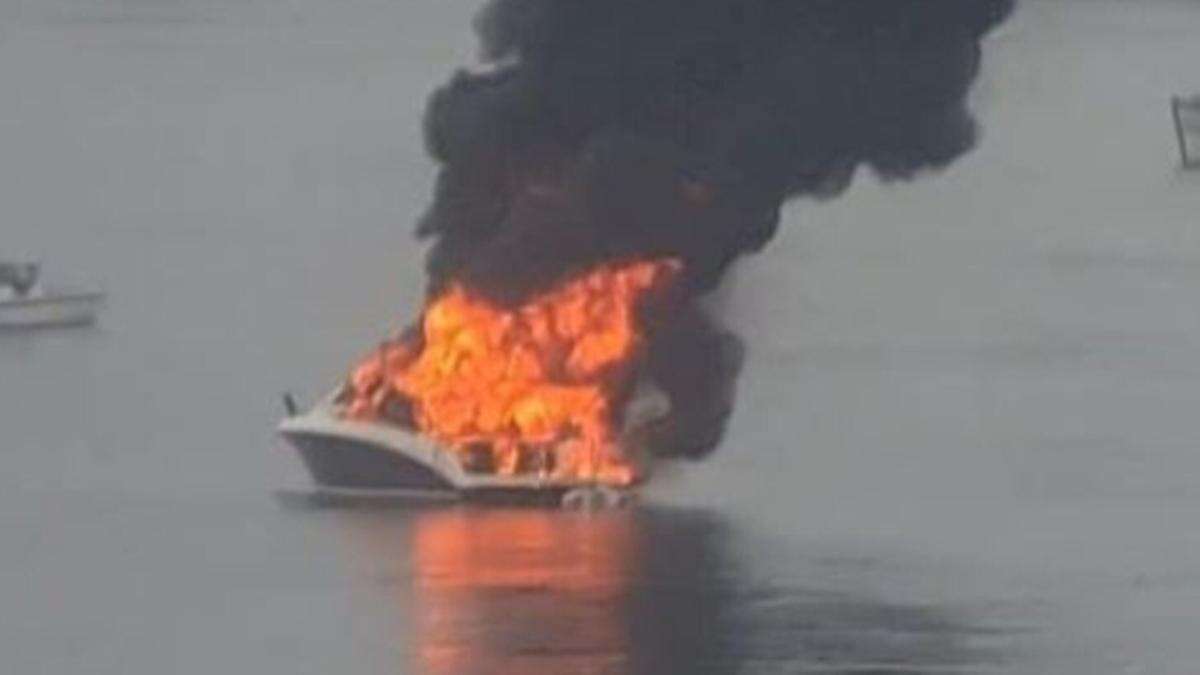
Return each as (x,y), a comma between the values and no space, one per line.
(611,129)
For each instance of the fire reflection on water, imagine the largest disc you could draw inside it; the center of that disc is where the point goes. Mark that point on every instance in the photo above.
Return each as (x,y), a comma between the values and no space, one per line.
(515,591)
(531,591)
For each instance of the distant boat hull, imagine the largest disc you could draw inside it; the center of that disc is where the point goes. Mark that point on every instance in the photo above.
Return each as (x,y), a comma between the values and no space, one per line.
(50,310)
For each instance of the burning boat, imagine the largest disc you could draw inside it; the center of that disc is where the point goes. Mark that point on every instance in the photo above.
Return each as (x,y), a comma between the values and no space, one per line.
(482,400)
(346,456)
(596,181)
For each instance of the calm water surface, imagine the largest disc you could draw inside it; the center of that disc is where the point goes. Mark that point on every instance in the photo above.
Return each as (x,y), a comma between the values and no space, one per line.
(966,440)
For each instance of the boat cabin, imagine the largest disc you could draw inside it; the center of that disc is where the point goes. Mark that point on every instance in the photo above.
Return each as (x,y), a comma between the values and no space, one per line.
(18,280)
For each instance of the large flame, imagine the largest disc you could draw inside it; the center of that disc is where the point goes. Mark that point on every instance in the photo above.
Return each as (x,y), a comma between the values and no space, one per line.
(543,377)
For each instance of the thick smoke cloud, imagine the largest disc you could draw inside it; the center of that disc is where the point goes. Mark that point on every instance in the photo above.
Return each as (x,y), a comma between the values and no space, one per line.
(621,128)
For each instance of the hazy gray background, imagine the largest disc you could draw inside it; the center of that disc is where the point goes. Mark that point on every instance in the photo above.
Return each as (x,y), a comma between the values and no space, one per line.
(978,392)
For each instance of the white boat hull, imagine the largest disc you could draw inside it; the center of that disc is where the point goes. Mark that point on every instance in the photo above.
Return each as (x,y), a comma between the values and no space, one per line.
(66,309)
(356,457)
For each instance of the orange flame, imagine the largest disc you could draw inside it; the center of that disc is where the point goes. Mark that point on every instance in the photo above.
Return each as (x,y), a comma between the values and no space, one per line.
(543,375)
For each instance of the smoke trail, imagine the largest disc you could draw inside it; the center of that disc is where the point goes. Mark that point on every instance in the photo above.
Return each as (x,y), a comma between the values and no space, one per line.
(619,128)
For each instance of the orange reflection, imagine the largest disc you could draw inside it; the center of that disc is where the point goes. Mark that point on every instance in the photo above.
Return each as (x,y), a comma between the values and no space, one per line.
(521,592)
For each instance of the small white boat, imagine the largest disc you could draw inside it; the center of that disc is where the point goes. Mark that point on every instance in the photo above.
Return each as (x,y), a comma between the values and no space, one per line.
(25,303)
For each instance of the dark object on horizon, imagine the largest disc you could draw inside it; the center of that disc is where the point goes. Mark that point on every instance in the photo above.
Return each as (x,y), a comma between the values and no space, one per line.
(1186,112)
